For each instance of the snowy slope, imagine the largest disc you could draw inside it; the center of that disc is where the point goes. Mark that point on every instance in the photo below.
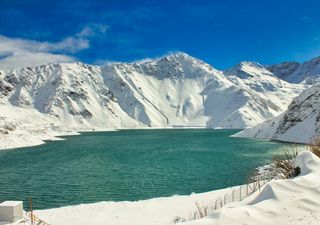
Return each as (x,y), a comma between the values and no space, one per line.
(300,123)
(176,90)
(306,73)
(38,103)
(166,92)
(268,95)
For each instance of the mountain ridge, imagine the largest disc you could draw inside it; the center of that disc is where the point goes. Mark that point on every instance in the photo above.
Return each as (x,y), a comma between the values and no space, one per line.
(307,72)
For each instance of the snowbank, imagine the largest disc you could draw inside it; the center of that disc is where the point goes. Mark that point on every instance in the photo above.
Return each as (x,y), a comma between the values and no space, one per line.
(293,201)
(145,212)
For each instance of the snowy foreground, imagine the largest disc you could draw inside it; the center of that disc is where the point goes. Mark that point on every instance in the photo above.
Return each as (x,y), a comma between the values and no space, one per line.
(294,201)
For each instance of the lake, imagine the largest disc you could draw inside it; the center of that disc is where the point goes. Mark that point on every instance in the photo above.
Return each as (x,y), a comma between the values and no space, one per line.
(130,165)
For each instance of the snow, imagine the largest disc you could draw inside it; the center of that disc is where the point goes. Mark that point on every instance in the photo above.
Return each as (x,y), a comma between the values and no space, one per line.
(145,212)
(291,201)
(26,126)
(174,91)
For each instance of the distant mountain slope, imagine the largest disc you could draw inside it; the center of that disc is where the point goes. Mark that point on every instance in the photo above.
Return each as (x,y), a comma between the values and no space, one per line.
(300,123)
(293,72)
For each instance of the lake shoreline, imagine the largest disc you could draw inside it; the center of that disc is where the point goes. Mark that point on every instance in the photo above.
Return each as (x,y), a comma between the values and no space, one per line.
(29,138)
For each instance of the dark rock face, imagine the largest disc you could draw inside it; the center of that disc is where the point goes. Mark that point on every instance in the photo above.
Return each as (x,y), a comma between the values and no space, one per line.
(81,94)
(301,108)
(5,88)
(86,114)
(284,70)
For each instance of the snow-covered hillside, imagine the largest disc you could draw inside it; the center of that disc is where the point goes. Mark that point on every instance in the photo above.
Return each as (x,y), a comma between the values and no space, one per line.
(306,73)
(41,102)
(176,90)
(73,93)
(268,95)
(300,123)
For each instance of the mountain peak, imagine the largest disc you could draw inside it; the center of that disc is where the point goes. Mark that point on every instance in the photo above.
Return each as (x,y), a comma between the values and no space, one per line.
(175,65)
(179,57)
(247,69)
(250,63)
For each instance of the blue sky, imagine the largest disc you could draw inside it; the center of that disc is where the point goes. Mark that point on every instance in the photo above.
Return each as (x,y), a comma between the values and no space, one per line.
(221,33)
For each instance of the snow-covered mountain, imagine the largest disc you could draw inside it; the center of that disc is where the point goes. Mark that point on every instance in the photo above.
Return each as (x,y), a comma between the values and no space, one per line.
(179,90)
(300,123)
(74,93)
(306,73)
(176,90)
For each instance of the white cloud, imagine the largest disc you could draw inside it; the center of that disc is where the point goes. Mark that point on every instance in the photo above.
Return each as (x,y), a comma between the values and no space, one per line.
(20,60)
(18,52)
(92,30)
(67,45)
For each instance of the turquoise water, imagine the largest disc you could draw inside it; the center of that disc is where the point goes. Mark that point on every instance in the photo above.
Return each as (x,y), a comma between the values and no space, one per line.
(129,165)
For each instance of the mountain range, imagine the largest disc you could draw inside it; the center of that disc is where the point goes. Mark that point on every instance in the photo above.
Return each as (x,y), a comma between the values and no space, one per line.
(173,91)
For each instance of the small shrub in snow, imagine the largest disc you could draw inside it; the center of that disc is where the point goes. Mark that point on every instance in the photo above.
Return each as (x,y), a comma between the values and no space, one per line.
(284,164)
(202,211)
(314,146)
(178,219)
